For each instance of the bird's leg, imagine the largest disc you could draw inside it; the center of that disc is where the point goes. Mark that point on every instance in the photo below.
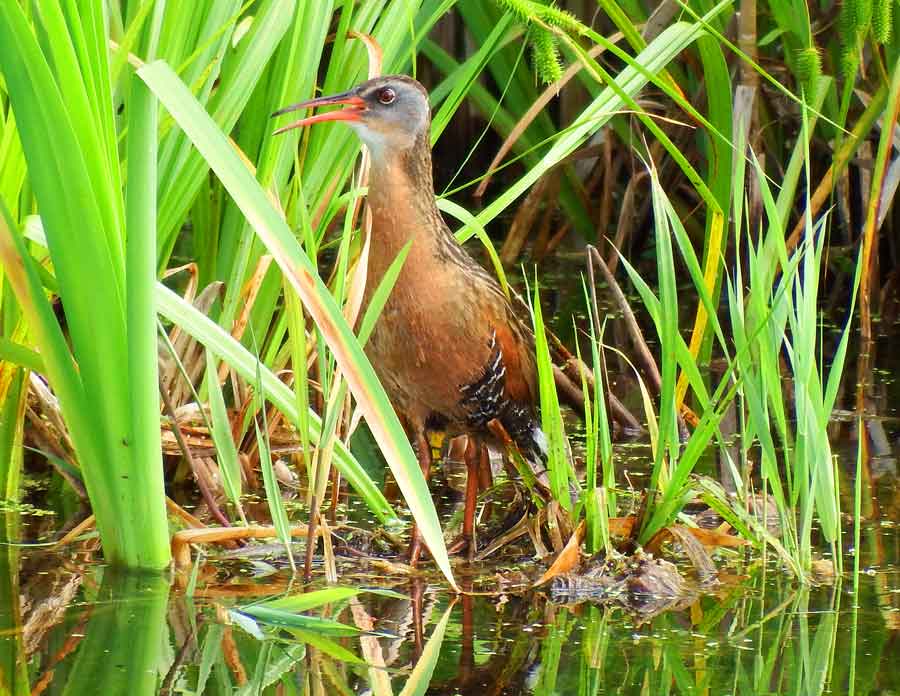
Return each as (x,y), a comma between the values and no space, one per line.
(475,451)
(416,594)
(472,461)
(467,641)
(423,454)
(485,476)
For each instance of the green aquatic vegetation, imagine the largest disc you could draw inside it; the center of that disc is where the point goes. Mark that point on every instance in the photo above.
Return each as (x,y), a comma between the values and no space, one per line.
(539,18)
(104,370)
(769,314)
(136,137)
(601,500)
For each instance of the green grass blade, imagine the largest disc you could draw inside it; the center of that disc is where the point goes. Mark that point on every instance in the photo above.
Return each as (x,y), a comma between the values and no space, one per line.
(12,430)
(226,451)
(630,81)
(74,180)
(380,296)
(286,619)
(17,354)
(270,483)
(184,170)
(312,600)
(473,68)
(420,678)
(471,226)
(143,357)
(558,466)
(327,646)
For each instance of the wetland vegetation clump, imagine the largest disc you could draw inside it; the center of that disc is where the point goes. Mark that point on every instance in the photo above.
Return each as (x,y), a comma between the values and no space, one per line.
(684,211)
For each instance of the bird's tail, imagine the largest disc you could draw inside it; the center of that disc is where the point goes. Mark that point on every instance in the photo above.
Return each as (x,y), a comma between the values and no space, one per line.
(523,427)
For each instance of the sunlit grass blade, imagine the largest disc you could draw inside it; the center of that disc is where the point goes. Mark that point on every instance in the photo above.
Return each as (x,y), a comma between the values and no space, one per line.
(558,465)
(682,353)
(597,523)
(182,168)
(286,619)
(601,496)
(16,354)
(140,304)
(471,226)
(270,482)
(314,599)
(75,176)
(298,353)
(667,451)
(13,398)
(326,645)
(380,295)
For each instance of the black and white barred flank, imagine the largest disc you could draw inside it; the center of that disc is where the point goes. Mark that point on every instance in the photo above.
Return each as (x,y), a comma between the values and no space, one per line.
(484,401)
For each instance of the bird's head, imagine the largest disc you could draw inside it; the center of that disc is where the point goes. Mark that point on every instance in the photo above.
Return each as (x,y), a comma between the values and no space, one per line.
(390,114)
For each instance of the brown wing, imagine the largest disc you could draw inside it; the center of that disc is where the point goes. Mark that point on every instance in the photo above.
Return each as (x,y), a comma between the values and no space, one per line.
(507,378)
(517,352)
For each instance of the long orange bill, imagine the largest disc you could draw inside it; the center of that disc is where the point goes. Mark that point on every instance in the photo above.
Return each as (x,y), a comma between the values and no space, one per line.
(353,108)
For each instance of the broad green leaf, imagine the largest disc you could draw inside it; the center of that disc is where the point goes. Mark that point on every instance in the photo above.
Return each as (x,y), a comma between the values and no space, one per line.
(277,617)
(311,600)
(327,646)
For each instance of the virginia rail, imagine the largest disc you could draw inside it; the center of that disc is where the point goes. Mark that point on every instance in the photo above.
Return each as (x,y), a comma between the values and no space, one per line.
(448,347)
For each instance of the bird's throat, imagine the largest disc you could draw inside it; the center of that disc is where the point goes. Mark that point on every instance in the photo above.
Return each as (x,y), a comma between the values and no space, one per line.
(401,198)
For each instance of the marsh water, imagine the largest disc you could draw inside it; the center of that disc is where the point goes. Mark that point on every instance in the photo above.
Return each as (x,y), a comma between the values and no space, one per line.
(70,625)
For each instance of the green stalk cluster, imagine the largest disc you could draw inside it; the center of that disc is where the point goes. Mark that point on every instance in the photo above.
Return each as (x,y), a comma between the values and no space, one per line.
(862,13)
(809,70)
(855,19)
(563,19)
(882,11)
(544,54)
(544,46)
(849,35)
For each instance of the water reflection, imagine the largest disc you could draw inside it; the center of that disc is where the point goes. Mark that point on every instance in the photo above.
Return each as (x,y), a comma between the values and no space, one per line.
(13,668)
(71,629)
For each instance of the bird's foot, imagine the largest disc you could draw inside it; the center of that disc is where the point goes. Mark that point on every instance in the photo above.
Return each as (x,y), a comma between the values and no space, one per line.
(415,549)
(463,544)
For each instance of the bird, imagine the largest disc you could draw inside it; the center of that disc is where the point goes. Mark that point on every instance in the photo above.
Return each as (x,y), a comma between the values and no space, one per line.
(448,347)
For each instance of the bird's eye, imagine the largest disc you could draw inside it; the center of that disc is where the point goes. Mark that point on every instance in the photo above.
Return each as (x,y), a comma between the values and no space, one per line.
(386,95)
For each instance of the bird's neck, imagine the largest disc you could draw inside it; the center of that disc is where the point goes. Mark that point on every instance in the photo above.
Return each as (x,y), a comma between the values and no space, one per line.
(401,198)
